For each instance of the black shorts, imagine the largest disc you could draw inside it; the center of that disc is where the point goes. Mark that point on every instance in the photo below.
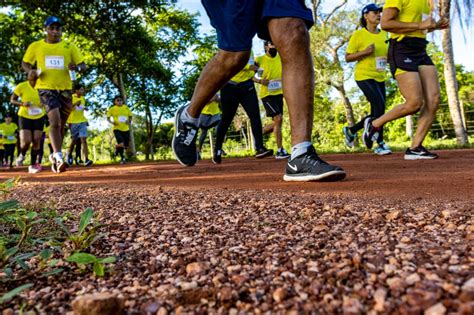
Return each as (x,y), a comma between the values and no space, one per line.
(57,99)
(122,137)
(408,54)
(273,105)
(31,124)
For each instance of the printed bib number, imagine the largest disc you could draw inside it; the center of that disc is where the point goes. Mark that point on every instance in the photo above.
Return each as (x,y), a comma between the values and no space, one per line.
(274,85)
(11,138)
(381,63)
(34,111)
(80,108)
(54,62)
(122,119)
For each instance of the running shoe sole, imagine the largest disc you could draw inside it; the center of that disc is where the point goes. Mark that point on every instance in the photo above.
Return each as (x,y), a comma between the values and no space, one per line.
(411,157)
(62,167)
(365,136)
(331,176)
(279,157)
(176,118)
(264,154)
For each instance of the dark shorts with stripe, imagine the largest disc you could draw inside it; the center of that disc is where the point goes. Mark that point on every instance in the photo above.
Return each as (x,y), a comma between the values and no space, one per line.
(52,99)
(237,22)
(273,105)
(30,124)
(408,54)
(122,137)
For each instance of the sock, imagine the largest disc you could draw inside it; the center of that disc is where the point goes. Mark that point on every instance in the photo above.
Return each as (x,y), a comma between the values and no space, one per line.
(188,119)
(34,155)
(300,149)
(58,155)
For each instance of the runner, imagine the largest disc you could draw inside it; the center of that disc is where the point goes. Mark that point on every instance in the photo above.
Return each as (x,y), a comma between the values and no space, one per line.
(271,93)
(369,48)
(209,118)
(120,116)
(413,69)
(2,150)
(8,130)
(236,24)
(240,90)
(78,126)
(31,120)
(54,58)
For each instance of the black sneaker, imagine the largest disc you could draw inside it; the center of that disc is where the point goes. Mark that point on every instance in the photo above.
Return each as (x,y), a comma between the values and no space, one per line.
(370,134)
(419,153)
(310,167)
(263,152)
(217,157)
(184,140)
(88,162)
(349,138)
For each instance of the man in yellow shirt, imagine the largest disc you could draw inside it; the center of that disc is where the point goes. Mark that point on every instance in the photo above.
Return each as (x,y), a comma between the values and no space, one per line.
(271,93)
(209,118)
(78,126)
(413,69)
(56,62)
(120,116)
(8,130)
(31,120)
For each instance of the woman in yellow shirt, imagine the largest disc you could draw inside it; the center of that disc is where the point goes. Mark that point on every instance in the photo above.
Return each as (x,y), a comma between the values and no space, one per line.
(413,69)
(8,130)
(368,48)
(120,116)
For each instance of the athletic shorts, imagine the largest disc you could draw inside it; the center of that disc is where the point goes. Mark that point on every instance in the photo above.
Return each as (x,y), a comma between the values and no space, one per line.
(407,55)
(122,137)
(273,105)
(237,22)
(30,124)
(57,99)
(209,121)
(79,130)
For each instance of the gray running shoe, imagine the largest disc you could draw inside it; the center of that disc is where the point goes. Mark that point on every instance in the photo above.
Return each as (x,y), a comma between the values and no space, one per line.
(184,140)
(419,153)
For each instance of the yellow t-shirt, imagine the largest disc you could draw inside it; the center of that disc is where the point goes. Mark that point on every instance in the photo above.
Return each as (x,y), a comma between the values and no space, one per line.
(211,108)
(120,115)
(28,94)
(53,60)
(373,66)
(246,73)
(46,132)
(272,72)
(8,131)
(77,114)
(409,11)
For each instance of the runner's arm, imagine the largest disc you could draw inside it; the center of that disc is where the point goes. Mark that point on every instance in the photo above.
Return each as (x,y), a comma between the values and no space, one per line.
(390,23)
(360,54)
(14,99)
(28,67)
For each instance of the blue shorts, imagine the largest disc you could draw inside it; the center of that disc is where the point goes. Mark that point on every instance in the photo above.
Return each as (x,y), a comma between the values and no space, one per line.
(79,130)
(237,22)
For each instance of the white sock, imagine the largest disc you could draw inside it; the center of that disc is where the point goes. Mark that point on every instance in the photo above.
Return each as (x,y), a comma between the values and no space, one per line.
(185,117)
(300,149)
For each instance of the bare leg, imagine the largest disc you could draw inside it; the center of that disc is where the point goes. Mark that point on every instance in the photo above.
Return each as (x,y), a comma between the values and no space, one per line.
(277,122)
(25,141)
(37,135)
(268,128)
(217,72)
(55,133)
(291,39)
(85,149)
(430,82)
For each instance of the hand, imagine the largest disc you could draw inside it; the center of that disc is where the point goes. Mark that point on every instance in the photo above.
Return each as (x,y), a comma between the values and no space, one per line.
(33,73)
(71,66)
(370,49)
(442,24)
(27,104)
(264,82)
(115,123)
(428,24)
(253,68)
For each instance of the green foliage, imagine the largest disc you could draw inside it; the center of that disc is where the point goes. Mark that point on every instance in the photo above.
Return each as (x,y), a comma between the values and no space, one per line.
(85,259)
(11,294)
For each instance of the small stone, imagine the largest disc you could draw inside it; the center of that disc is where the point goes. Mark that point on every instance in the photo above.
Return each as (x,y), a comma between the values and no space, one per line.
(162,311)
(379,298)
(279,294)
(389,269)
(150,308)
(392,215)
(468,286)
(185,286)
(351,305)
(195,268)
(98,304)
(225,294)
(437,309)
(412,279)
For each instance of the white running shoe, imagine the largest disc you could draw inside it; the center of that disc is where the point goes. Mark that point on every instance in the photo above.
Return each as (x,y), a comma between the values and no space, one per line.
(34,169)
(20,159)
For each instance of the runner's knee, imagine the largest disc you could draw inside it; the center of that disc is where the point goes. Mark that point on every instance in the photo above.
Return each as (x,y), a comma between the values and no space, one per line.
(233,60)
(414,104)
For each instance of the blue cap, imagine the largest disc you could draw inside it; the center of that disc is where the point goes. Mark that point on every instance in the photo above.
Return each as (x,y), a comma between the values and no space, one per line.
(52,20)
(371,7)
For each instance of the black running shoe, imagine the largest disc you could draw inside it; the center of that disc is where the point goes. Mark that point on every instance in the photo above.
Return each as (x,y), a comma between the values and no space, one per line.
(310,167)
(263,152)
(370,134)
(349,138)
(217,156)
(88,162)
(419,153)
(184,140)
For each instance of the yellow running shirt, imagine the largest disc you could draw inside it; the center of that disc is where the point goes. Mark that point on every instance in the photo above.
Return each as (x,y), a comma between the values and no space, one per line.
(77,113)
(28,94)
(46,132)
(53,60)
(120,114)
(8,132)
(246,73)
(409,11)
(373,66)
(271,72)
(211,108)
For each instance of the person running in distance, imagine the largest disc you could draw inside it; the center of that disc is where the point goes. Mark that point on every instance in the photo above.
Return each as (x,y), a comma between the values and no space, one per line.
(120,116)
(8,129)
(285,23)
(368,47)
(413,69)
(56,62)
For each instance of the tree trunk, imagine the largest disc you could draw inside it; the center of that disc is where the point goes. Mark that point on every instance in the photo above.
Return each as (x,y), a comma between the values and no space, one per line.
(451,81)
(123,93)
(347,104)
(409,126)
(149,132)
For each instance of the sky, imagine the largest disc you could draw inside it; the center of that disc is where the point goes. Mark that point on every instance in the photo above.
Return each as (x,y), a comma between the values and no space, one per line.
(463,44)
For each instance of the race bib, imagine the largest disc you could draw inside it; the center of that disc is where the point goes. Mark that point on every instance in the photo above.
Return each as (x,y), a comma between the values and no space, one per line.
(80,108)
(274,85)
(122,119)
(34,111)
(381,63)
(54,62)
(11,138)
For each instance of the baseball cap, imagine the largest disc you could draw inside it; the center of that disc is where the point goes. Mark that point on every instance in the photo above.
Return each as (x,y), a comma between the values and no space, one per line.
(371,7)
(52,20)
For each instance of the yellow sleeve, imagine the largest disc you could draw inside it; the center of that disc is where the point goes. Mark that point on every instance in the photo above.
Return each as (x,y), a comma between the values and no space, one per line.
(77,56)
(129,112)
(17,90)
(353,45)
(393,4)
(109,112)
(30,56)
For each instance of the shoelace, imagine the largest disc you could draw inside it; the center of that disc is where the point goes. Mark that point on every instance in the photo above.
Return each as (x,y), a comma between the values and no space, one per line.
(189,136)
(313,159)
